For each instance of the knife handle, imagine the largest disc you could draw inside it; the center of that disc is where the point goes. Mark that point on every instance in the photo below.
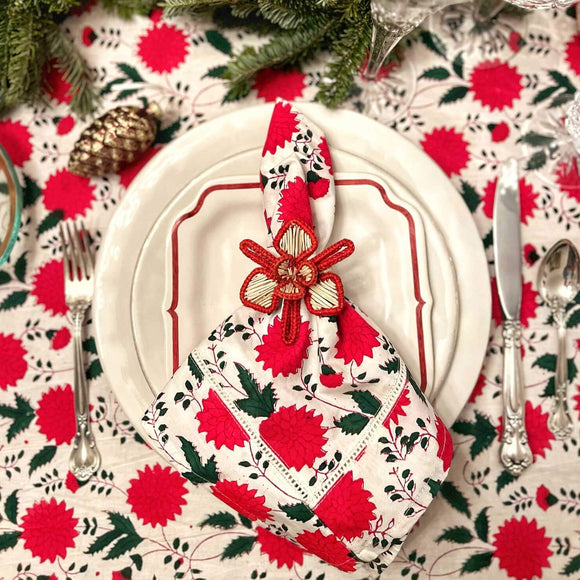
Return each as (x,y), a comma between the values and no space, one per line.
(515,452)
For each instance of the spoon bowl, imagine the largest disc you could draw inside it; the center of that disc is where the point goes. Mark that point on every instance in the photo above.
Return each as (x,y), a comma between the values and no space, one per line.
(558,284)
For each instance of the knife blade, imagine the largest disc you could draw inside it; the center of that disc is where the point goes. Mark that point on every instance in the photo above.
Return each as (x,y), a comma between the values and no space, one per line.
(515,452)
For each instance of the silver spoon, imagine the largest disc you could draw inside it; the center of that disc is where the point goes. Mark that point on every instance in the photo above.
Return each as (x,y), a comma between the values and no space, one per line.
(558,283)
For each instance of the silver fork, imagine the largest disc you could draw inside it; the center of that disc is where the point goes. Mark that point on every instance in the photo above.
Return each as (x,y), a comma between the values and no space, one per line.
(79,285)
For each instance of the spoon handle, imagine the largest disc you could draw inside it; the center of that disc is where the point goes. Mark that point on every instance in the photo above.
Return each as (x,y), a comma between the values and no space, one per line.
(515,452)
(560,422)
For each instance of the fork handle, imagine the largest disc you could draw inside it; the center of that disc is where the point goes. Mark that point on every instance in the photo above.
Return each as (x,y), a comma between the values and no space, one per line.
(85,458)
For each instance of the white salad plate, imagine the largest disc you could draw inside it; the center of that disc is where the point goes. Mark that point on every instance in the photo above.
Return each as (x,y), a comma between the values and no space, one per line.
(170,270)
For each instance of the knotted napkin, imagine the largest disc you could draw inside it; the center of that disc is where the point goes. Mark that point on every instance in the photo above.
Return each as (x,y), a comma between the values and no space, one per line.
(297,411)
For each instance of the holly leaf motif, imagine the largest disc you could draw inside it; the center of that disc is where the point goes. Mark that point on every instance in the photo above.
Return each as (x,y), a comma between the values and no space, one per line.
(223,520)
(572,566)
(437,73)
(352,424)
(455,498)
(200,472)
(454,94)
(503,479)
(20,267)
(8,540)
(194,368)
(219,41)
(11,507)
(367,403)
(50,221)
(44,456)
(457,535)
(122,538)
(482,525)
(13,300)
(477,562)
(260,403)
(470,196)
(299,512)
(21,415)
(238,546)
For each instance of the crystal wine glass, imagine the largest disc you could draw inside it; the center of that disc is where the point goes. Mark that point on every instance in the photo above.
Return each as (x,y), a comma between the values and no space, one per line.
(486,9)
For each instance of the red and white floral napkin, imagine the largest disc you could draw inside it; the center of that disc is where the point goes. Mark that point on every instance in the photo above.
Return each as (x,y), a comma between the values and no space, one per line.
(297,411)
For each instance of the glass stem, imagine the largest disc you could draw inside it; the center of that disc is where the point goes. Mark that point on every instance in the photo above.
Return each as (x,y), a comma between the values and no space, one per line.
(384,39)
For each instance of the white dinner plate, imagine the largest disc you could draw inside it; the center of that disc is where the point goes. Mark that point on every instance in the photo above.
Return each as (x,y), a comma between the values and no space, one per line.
(133,261)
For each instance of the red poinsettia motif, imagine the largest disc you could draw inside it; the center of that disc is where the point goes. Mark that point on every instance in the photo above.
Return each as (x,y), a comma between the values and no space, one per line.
(65,125)
(332,380)
(16,140)
(530,255)
(174,43)
(528,308)
(55,84)
(68,192)
(575,398)
(522,549)
(539,436)
(89,36)
(279,549)
(573,53)
(129,173)
(294,276)
(156,495)
(281,358)
(14,365)
(356,337)
(60,339)
(295,435)
(544,498)
(293,202)
(528,199)
(496,84)
(243,500)
(398,409)
(220,426)
(277,83)
(282,126)
(318,188)
(478,389)
(347,508)
(48,287)
(325,154)
(55,415)
(447,148)
(568,178)
(516,41)
(329,549)
(71,482)
(48,529)
(445,451)
(499,132)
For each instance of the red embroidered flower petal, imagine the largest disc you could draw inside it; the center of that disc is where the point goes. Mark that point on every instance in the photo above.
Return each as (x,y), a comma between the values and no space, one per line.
(326,297)
(296,239)
(258,291)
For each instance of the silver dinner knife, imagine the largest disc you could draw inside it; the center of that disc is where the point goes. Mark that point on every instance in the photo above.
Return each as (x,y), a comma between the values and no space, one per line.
(515,453)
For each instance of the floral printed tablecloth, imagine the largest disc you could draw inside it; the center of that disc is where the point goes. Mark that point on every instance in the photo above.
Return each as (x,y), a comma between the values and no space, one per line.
(469,109)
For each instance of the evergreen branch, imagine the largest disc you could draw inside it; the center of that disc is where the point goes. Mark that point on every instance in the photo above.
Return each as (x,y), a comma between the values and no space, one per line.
(127,8)
(176,7)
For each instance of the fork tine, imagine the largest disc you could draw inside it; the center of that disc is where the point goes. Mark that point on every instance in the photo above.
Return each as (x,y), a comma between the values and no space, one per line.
(65,254)
(81,255)
(87,252)
(74,252)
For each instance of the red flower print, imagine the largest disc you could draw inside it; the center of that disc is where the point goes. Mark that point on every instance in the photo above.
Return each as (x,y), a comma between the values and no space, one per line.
(544,498)
(273,83)
(331,381)
(499,132)
(243,500)
(329,549)
(65,125)
(539,436)
(495,84)
(16,139)
(516,41)
(568,178)
(528,308)
(325,154)
(13,366)
(295,435)
(68,192)
(55,84)
(318,188)
(174,43)
(447,148)
(129,173)
(48,529)
(55,415)
(156,495)
(346,509)
(528,199)
(573,53)
(220,426)
(279,549)
(530,255)
(478,389)
(283,359)
(71,482)
(293,202)
(398,409)
(48,287)
(282,126)
(89,36)
(60,339)
(356,337)
(575,398)
(445,451)
(83,8)
(522,548)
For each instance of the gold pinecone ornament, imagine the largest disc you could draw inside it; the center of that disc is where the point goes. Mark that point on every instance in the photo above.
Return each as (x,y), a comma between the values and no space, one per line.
(115,140)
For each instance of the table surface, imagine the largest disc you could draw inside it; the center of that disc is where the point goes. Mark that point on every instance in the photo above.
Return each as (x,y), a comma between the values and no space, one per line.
(137,518)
